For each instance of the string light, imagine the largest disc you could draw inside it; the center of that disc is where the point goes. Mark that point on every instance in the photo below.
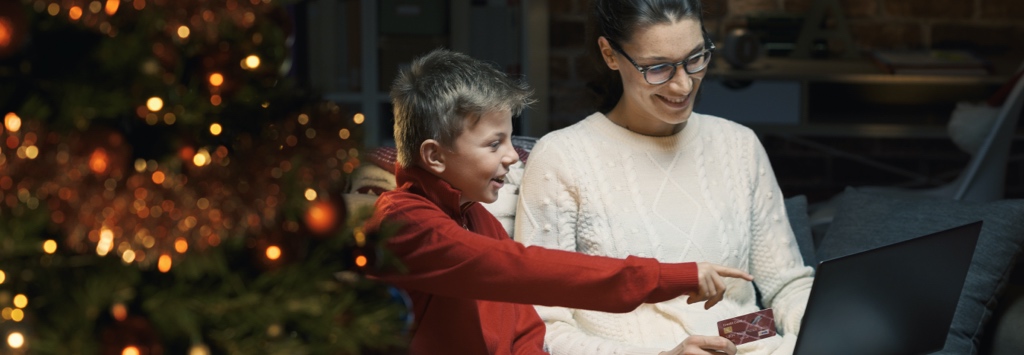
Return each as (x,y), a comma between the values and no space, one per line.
(310,194)
(158,177)
(155,104)
(252,62)
(130,350)
(50,246)
(17,315)
(20,301)
(273,252)
(358,118)
(202,158)
(360,261)
(128,256)
(95,7)
(3,276)
(164,264)
(180,245)
(105,243)
(119,312)
(53,9)
(303,119)
(75,13)
(216,79)
(215,129)
(111,7)
(344,133)
(15,340)
(183,31)
(12,122)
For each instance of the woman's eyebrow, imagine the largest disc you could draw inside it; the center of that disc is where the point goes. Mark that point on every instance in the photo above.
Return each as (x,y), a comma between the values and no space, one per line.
(698,48)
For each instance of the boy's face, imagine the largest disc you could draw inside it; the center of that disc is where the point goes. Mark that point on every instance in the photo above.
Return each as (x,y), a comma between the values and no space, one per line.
(480,158)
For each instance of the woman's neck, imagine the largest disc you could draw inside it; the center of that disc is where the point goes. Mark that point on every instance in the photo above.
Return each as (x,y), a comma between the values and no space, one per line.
(625,116)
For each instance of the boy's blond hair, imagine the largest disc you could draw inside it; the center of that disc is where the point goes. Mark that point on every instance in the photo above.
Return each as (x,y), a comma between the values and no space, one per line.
(440,90)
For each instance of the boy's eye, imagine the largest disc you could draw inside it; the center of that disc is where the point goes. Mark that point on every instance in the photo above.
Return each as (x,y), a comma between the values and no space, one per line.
(495,144)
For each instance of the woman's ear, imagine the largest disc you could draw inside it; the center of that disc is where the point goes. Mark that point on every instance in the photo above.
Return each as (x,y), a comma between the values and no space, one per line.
(607,53)
(432,156)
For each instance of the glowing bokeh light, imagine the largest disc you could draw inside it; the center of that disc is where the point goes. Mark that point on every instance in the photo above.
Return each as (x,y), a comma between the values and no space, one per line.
(111,7)
(183,31)
(16,340)
(273,252)
(12,122)
(251,62)
(155,104)
(20,301)
(75,13)
(215,129)
(50,246)
(128,256)
(106,242)
(119,312)
(216,79)
(158,177)
(164,264)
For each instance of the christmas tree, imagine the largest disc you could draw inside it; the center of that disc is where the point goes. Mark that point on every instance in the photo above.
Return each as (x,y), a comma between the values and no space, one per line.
(166,187)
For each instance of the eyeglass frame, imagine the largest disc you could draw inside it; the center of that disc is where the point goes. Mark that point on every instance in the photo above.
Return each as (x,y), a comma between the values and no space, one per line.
(709,49)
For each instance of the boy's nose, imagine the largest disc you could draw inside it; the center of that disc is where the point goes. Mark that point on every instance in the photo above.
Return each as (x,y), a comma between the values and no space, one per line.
(511,156)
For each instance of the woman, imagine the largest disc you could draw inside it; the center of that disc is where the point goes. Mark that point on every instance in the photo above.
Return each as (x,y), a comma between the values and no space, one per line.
(652,178)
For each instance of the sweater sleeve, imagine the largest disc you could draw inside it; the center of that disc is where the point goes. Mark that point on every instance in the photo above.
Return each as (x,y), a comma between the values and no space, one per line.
(442,258)
(778,268)
(547,216)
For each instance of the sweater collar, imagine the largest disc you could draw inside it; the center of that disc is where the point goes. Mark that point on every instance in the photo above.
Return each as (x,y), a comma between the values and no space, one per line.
(435,189)
(622,135)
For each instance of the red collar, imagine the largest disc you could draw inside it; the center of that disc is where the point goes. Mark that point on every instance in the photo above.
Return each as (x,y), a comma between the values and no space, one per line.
(424,183)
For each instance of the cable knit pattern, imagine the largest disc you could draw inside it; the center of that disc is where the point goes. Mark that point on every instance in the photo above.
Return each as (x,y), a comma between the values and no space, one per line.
(705,194)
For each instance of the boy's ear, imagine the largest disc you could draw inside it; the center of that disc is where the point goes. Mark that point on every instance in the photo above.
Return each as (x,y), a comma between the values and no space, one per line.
(607,53)
(432,156)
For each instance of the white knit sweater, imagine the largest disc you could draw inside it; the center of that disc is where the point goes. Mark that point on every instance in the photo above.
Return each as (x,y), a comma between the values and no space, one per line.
(707,193)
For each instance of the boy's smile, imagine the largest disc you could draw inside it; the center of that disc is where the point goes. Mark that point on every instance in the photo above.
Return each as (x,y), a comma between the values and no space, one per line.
(479,159)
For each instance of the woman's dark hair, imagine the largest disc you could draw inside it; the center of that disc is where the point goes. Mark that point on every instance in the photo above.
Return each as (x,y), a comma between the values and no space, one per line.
(618,20)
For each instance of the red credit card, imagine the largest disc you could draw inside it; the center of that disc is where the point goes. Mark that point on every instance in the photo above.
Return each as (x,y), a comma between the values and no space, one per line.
(748,327)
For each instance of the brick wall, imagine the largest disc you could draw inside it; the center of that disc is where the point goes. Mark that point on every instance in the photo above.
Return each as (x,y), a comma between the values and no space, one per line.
(990,27)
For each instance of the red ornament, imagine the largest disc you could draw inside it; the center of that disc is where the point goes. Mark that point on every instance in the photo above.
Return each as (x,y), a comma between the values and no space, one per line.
(321,217)
(14,29)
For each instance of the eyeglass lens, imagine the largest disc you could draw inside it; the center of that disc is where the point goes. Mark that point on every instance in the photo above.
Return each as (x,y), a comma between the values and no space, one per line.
(664,72)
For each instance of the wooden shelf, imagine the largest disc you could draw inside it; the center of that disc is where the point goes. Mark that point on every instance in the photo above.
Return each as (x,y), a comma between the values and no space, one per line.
(861,71)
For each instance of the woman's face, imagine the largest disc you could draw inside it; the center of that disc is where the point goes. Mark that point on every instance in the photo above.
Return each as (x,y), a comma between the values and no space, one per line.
(657,109)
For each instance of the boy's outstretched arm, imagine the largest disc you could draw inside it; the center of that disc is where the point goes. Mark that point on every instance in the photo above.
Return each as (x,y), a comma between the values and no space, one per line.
(444,258)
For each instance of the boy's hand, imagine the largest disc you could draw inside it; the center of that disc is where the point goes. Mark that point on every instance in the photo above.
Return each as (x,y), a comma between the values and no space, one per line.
(703,345)
(712,286)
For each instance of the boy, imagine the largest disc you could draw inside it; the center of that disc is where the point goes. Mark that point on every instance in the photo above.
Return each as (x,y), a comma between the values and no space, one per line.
(471,285)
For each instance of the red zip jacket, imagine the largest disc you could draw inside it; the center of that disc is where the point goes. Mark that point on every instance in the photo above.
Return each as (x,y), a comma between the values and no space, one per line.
(472,286)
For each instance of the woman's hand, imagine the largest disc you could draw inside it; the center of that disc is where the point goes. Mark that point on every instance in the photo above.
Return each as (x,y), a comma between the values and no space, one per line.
(703,345)
(712,284)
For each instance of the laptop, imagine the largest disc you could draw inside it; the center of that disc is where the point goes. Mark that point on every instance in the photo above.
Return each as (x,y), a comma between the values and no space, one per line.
(895,299)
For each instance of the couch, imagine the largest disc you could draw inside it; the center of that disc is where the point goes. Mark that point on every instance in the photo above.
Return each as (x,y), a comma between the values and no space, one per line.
(990,315)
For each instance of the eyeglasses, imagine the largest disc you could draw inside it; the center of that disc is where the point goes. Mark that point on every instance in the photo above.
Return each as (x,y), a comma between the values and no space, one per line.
(661,73)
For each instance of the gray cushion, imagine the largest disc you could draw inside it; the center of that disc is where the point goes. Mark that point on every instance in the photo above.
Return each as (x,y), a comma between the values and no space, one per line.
(796,209)
(864,221)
